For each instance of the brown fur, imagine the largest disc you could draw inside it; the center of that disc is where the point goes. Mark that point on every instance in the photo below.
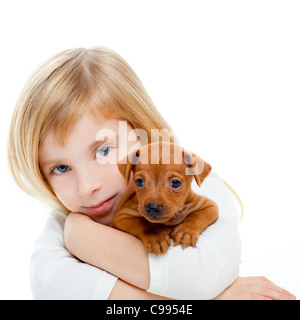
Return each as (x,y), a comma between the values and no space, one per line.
(157,212)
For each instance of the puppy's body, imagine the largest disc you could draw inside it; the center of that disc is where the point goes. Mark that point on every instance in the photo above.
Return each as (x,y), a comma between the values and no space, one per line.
(164,207)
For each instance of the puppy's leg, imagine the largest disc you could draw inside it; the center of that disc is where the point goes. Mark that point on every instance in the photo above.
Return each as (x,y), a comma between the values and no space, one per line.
(187,233)
(155,237)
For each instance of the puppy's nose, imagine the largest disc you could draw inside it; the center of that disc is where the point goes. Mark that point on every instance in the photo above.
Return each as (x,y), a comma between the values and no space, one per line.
(153,209)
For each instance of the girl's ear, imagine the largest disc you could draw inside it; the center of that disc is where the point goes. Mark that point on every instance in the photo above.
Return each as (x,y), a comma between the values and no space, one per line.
(127,164)
(196,167)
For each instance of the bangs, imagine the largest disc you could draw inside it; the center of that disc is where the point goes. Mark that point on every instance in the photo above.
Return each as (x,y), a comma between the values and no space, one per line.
(72,90)
(99,105)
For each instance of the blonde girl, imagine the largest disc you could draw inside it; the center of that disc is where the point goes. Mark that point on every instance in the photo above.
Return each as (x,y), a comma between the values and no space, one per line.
(54,155)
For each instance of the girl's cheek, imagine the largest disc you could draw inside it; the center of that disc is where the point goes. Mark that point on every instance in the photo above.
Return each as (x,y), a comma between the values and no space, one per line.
(119,180)
(66,196)
(68,202)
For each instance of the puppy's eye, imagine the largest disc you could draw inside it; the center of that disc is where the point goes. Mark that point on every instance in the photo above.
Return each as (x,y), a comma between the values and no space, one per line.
(139,182)
(175,184)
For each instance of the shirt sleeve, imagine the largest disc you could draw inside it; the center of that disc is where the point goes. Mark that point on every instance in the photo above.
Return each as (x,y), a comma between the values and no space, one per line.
(205,271)
(56,274)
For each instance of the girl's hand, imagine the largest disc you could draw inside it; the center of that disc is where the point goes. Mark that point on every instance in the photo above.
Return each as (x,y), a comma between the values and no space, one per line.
(254,288)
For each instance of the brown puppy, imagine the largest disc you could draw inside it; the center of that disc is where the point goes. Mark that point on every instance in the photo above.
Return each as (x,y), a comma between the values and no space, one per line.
(162,205)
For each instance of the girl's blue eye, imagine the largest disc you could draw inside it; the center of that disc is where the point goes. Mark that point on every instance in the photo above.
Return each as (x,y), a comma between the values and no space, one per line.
(61,169)
(102,152)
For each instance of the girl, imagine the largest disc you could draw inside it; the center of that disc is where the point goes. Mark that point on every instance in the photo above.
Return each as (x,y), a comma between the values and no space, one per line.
(54,154)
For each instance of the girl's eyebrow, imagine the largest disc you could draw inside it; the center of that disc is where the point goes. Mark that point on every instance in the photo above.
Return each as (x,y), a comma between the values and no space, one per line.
(51,163)
(98,143)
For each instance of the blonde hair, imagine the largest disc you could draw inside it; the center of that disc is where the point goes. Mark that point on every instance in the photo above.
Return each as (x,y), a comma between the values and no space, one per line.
(59,92)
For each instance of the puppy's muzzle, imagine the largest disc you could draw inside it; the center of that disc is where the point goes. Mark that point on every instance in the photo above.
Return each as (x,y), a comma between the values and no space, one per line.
(153,210)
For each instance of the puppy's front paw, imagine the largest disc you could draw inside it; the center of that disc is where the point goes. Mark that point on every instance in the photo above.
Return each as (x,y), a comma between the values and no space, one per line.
(185,235)
(158,243)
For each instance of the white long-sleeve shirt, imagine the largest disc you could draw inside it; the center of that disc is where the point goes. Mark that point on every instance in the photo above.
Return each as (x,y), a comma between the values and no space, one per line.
(193,273)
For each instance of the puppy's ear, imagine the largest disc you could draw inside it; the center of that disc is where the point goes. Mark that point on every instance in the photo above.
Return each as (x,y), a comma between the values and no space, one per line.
(196,167)
(126,165)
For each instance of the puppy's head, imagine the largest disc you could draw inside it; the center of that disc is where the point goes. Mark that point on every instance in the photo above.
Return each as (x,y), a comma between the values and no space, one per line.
(162,175)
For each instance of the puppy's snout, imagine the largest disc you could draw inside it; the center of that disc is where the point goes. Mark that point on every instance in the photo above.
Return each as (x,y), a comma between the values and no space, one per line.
(153,209)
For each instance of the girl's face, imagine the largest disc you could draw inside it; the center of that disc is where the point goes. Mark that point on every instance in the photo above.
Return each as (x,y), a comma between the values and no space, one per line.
(84,174)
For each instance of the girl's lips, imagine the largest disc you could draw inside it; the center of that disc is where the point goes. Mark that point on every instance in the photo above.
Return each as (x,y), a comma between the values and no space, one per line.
(103,206)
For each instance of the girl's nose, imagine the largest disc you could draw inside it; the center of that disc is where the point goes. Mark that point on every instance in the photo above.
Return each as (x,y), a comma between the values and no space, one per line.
(88,184)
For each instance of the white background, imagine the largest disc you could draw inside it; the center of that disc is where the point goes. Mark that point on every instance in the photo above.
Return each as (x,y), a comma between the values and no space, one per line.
(226,76)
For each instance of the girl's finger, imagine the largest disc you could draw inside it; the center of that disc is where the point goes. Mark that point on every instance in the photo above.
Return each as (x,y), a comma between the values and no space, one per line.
(265,283)
(274,294)
(259,297)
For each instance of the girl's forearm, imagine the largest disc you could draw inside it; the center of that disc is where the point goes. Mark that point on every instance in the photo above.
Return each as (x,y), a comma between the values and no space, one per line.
(124,291)
(108,249)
